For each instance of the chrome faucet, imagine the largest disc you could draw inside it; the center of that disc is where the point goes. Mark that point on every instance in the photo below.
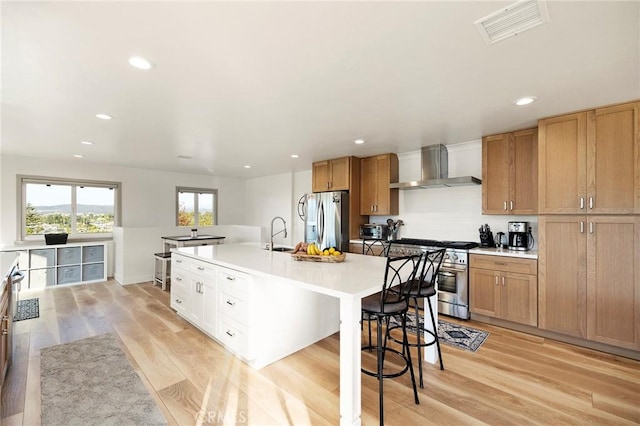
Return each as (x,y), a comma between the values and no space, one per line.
(284,229)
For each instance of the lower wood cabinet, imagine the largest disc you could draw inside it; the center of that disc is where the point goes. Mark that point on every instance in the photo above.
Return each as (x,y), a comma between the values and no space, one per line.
(504,287)
(590,278)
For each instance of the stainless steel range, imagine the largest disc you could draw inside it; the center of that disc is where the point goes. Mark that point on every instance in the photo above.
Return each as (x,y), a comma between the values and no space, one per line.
(453,278)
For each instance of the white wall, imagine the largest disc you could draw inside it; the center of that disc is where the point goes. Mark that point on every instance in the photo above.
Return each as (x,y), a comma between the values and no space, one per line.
(148,196)
(453,213)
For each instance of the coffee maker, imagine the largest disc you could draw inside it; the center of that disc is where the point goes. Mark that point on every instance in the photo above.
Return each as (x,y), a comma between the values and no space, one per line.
(519,236)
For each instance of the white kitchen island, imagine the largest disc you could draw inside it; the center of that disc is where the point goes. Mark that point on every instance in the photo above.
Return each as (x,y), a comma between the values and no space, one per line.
(348,282)
(264,305)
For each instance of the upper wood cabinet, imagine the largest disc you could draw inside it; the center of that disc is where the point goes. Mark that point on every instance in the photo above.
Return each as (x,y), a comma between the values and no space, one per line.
(376,173)
(332,175)
(589,162)
(589,281)
(509,173)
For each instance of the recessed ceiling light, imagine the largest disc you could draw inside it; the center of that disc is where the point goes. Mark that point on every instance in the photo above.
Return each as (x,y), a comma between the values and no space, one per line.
(526,100)
(359,141)
(184,157)
(104,116)
(295,156)
(86,143)
(247,166)
(140,63)
(77,155)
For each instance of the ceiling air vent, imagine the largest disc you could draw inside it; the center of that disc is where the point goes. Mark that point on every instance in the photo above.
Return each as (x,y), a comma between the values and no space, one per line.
(512,20)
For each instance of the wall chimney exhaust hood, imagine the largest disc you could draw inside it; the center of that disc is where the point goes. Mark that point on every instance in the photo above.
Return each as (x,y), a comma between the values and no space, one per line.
(435,171)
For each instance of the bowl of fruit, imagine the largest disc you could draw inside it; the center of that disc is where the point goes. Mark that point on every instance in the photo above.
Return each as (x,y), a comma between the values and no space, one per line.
(311,252)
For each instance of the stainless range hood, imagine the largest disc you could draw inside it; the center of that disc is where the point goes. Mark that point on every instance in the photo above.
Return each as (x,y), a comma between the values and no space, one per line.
(435,171)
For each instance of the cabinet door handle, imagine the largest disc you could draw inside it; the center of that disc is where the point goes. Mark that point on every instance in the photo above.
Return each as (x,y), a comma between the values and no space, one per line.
(230,303)
(505,206)
(230,278)
(502,281)
(496,280)
(581,227)
(178,279)
(230,334)
(200,268)
(5,331)
(591,227)
(582,202)
(511,205)
(178,301)
(178,261)
(591,202)
(501,263)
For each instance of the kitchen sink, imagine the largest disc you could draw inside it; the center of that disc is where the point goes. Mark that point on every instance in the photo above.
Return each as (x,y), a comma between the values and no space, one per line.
(282,249)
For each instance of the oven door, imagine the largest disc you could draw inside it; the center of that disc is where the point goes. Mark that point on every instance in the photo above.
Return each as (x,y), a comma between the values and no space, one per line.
(453,291)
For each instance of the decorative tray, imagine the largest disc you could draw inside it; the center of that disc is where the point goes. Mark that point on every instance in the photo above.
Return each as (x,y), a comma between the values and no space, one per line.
(317,258)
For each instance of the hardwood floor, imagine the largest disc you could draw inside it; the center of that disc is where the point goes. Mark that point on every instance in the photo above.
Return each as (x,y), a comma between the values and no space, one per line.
(514,378)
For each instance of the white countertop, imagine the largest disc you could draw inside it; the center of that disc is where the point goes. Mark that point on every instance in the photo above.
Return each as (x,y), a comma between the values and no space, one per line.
(358,275)
(530,254)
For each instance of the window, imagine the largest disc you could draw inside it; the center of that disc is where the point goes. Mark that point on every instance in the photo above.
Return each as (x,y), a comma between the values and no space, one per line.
(196,207)
(79,208)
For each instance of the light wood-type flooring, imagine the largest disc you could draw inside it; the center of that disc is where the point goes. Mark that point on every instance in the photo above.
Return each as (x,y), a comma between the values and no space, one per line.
(513,379)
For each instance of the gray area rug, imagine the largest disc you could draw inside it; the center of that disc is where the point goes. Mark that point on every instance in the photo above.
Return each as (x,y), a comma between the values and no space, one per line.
(27,309)
(90,382)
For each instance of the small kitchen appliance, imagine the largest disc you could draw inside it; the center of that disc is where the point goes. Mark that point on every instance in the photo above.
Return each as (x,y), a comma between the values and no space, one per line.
(486,236)
(520,237)
(374,231)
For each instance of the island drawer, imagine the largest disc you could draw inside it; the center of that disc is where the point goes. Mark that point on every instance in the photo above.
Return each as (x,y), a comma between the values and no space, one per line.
(179,300)
(179,280)
(504,263)
(237,281)
(233,336)
(179,262)
(204,270)
(232,302)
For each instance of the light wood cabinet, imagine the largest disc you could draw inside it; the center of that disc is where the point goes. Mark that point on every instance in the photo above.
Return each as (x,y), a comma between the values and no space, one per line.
(509,173)
(376,173)
(589,281)
(589,162)
(504,287)
(332,175)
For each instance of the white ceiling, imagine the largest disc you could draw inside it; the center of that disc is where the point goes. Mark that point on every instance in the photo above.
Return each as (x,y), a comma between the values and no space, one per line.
(239,83)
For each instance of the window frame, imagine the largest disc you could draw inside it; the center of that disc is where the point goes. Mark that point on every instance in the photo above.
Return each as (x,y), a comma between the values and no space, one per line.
(23,180)
(196,217)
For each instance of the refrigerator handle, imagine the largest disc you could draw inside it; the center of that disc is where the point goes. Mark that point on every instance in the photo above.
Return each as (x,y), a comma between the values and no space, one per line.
(320,222)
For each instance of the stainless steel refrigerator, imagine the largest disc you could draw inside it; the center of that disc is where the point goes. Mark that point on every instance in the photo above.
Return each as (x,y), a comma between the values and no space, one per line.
(327,219)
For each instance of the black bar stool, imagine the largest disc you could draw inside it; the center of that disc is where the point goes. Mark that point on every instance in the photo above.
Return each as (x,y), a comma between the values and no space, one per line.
(424,287)
(393,300)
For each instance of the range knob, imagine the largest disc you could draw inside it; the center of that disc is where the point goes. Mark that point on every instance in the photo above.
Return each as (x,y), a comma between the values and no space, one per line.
(454,257)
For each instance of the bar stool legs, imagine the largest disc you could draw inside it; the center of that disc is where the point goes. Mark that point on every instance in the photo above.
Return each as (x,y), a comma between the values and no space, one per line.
(421,330)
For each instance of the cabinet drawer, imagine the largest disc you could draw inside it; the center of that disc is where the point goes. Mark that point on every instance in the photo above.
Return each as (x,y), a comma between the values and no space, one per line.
(179,279)
(179,262)
(41,278)
(41,258)
(93,272)
(504,263)
(68,255)
(232,303)
(69,274)
(92,254)
(233,337)
(179,300)
(204,270)
(237,282)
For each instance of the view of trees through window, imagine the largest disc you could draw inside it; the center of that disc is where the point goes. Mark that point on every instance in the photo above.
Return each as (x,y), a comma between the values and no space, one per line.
(68,208)
(196,208)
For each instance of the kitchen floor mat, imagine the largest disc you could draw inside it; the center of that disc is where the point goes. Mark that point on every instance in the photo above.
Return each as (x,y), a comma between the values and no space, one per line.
(27,309)
(460,336)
